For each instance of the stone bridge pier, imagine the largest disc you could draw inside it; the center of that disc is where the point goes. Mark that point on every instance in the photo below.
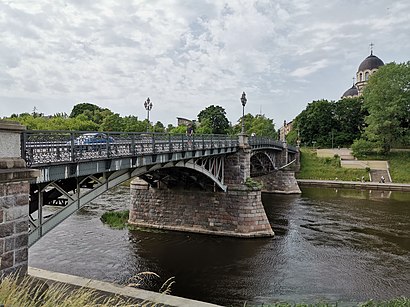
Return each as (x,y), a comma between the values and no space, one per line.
(14,201)
(282,181)
(238,212)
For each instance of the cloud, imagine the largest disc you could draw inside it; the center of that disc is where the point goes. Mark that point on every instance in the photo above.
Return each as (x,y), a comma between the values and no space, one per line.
(186,55)
(309,69)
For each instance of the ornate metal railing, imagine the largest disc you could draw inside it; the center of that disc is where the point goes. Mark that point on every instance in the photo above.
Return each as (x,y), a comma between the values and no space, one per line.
(47,147)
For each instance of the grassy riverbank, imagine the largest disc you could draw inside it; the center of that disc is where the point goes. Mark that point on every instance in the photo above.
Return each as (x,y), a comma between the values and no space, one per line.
(399,162)
(313,167)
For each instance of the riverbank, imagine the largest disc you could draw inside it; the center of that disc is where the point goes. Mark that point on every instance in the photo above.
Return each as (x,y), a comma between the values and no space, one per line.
(354,185)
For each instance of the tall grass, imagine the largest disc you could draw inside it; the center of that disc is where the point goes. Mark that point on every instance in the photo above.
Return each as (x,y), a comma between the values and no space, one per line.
(27,291)
(313,167)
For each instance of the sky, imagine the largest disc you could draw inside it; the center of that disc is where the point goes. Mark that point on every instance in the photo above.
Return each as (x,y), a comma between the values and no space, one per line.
(186,55)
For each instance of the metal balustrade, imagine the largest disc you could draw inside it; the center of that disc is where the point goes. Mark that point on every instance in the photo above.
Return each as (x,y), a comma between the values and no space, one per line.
(55,147)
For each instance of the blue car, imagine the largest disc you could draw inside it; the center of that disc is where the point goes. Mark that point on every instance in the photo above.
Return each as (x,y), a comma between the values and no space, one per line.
(95,138)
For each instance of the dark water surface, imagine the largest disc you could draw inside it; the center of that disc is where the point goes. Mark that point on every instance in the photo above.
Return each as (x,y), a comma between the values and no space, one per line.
(333,245)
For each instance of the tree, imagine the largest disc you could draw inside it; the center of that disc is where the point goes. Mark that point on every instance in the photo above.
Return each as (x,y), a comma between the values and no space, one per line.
(82,107)
(213,119)
(316,122)
(258,125)
(112,122)
(387,100)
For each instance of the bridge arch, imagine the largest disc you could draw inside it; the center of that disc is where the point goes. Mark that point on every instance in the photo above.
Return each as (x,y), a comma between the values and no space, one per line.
(73,194)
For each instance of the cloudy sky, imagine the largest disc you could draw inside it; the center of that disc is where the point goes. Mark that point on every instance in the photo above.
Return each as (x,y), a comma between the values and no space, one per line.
(189,54)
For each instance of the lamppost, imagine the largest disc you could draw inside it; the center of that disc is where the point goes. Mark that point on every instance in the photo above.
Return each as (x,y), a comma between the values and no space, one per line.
(148,107)
(243,101)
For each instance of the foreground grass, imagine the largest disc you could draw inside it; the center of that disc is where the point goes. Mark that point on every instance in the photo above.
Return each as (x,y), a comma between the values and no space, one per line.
(30,292)
(313,167)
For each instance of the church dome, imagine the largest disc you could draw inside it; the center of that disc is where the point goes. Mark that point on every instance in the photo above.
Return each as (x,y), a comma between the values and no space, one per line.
(351,92)
(370,63)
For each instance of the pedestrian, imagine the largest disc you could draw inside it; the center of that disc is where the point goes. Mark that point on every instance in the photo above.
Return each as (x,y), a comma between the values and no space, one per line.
(363,179)
(189,133)
(382,179)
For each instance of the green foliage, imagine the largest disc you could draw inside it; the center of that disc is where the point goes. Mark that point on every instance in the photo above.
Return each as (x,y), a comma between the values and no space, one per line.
(387,99)
(258,125)
(87,108)
(253,184)
(330,123)
(313,167)
(178,130)
(399,163)
(116,219)
(362,148)
(213,119)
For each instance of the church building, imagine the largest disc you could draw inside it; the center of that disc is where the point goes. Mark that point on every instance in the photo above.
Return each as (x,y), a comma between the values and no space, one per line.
(369,66)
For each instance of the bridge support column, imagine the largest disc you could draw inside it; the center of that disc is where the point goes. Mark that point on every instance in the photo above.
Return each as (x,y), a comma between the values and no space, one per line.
(282,182)
(14,201)
(238,212)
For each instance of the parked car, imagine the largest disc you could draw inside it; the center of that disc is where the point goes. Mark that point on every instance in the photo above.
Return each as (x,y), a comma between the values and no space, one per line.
(95,138)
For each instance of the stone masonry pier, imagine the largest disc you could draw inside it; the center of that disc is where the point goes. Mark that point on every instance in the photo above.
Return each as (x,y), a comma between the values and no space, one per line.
(237,212)
(14,201)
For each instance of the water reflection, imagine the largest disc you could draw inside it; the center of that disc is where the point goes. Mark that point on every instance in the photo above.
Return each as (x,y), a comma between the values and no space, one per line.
(345,245)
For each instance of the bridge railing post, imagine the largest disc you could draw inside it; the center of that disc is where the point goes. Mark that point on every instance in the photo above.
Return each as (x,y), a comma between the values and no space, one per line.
(153,143)
(169,143)
(72,151)
(133,149)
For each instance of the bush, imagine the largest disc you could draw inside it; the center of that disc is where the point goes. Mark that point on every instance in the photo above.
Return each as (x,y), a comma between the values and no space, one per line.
(362,148)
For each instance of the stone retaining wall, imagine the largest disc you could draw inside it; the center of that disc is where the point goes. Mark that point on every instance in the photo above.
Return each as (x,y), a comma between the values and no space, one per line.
(238,212)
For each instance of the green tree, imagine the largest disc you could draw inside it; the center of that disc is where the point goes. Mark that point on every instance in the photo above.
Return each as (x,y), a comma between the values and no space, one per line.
(316,122)
(83,107)
(349,121)
(258,125)
(112,122)
(213,119)
(387,100)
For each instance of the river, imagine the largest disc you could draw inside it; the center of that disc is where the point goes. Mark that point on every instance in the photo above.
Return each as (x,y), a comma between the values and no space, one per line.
(333,245)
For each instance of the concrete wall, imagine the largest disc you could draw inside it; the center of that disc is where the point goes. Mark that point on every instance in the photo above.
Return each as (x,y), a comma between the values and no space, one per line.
(238,212)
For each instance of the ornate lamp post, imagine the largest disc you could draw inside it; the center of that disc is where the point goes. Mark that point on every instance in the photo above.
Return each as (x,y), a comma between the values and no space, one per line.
(148,107)
(243,101)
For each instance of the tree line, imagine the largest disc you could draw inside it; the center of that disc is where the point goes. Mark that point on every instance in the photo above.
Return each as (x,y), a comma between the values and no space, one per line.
(372,123)
(91,117)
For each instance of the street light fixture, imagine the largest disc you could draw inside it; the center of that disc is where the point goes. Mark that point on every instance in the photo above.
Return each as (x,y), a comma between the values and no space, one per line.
(148,107)
(243,101)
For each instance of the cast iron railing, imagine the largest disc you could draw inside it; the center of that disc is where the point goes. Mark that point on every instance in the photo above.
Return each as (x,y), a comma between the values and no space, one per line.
(54,147)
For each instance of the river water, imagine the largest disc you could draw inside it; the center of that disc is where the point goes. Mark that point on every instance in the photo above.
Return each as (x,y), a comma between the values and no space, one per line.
(333,245)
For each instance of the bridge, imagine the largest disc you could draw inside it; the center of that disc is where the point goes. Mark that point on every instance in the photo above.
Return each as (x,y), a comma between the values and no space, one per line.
(197,183)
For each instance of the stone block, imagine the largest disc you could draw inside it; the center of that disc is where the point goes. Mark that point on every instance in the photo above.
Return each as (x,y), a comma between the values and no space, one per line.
(6,229)
(9,244)
(21,240)
(7,260)
(21,255)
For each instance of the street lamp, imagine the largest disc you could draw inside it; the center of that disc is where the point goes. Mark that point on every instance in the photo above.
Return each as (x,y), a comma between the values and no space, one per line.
(148,107)
(243,100)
